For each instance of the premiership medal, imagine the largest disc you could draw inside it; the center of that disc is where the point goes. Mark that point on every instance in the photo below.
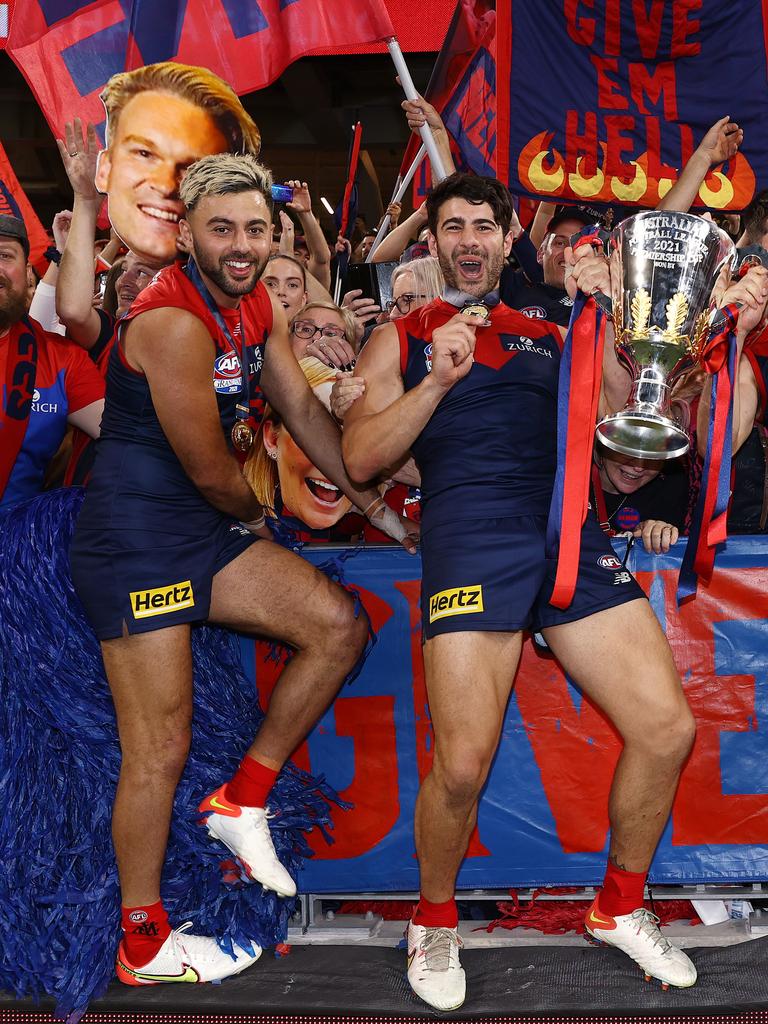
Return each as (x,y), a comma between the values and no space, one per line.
(242,436)
(476,314)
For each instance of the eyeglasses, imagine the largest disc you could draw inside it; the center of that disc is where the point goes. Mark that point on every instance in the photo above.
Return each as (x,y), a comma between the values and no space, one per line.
(404,302)
(306,330)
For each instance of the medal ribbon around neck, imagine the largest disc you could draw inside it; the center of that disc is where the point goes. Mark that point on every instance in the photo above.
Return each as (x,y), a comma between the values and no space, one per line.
(242,432)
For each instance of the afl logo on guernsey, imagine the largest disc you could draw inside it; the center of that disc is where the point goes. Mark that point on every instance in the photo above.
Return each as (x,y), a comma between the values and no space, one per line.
(534,312)
(428,357)
(609,562)
(227,379)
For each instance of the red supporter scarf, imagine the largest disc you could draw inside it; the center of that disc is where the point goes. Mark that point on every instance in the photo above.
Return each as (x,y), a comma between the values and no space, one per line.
(20,373)
(577,414)
(709,525)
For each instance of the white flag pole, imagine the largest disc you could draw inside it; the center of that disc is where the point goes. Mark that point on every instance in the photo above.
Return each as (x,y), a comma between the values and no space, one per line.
(397,195)
(409,89)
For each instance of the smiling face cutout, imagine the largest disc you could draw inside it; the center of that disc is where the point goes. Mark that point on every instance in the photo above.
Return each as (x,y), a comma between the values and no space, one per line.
(157,137)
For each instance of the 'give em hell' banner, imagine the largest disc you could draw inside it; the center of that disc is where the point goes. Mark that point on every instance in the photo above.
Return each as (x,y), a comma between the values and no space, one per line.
(607,99)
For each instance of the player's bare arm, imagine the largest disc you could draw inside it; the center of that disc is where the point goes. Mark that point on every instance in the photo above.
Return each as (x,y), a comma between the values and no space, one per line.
(310,424)
(751,294)
(383,423)
(174,351)
(589,272)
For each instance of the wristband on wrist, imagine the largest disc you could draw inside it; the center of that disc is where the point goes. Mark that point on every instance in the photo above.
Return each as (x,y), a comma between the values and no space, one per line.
(256,524)
(378,503)
(52,254)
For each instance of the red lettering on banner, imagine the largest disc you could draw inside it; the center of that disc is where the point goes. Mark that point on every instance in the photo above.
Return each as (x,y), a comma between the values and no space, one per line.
(374,790)
(703,814)
(648,26)
(370,721)
(623,162)
(612,41)
(682,27)
(659,81)
(687,147)
(581,144)
(656,168)
(580,29)
(617,142)
(425,739)
(575,751)
(609,95)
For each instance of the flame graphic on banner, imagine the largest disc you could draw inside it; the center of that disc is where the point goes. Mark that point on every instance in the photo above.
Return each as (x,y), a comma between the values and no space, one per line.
(542,170)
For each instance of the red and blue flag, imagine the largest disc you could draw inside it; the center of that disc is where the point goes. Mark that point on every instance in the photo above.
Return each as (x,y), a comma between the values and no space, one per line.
(462,88)
(14,201)
(69,49)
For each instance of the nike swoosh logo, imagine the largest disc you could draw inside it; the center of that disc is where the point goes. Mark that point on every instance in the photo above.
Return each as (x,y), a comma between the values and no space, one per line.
(600,922)
(188,974)
(214,802)
(411,955)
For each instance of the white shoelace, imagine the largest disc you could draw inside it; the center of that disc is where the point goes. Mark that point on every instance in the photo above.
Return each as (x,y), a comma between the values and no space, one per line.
(648,924)
(437,946)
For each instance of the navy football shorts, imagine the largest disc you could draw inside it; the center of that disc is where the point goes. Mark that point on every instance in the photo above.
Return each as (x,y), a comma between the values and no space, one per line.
(149,580)
(494,575)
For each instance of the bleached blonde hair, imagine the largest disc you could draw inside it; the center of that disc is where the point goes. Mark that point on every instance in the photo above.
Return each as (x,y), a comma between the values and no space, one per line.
(224,174)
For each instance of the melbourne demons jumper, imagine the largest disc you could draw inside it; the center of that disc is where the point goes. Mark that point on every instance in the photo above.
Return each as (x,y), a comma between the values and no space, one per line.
(147,543)
(487,459)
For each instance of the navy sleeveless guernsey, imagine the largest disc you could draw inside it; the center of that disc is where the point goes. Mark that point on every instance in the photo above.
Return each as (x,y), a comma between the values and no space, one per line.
(147,543)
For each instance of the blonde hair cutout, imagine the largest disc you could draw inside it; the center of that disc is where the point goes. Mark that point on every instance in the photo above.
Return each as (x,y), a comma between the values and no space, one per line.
(196,85)
(260,470)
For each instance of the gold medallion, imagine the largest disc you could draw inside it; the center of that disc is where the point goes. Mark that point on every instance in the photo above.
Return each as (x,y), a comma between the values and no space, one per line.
(242,436)
(476,313)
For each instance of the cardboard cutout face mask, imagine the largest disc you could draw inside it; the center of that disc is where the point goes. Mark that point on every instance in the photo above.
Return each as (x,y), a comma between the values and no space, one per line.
(155,135)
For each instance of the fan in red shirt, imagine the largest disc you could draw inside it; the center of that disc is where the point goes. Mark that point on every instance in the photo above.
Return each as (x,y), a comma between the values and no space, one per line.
(48,382)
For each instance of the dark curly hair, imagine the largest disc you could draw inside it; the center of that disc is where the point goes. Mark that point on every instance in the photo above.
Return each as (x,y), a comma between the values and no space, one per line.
(475,189)
(753,220)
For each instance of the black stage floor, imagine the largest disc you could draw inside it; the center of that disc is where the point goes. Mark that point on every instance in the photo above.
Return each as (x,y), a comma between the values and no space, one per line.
(520,981)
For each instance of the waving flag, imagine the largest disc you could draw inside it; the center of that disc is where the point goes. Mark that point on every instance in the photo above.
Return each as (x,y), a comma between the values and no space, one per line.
(13,201)
(68,49)
(605,102)
(463,89)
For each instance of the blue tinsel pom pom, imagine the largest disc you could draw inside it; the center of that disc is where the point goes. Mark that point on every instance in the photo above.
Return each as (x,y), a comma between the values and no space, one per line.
(59,763)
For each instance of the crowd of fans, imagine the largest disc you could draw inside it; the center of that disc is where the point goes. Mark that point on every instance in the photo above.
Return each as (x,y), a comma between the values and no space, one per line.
(91,282)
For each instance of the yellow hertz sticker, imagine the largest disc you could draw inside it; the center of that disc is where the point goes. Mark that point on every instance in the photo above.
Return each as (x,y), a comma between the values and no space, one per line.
(161,600)
(459,601)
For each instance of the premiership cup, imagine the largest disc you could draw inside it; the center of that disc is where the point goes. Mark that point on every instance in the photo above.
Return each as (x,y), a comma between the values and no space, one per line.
(664,267)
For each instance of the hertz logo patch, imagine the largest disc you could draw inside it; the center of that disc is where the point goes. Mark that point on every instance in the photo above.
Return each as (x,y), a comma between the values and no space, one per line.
(161,600)
(459,601)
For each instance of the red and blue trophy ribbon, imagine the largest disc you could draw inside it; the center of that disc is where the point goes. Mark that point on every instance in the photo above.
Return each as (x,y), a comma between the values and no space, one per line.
(577,401)
(709,527)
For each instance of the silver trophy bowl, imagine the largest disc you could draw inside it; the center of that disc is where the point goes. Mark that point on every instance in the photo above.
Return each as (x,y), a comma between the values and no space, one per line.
(664,267)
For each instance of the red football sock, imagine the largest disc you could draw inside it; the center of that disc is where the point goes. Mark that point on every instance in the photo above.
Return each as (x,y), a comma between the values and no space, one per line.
(622,891)
(436,915)
(145,930)
(251,783)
